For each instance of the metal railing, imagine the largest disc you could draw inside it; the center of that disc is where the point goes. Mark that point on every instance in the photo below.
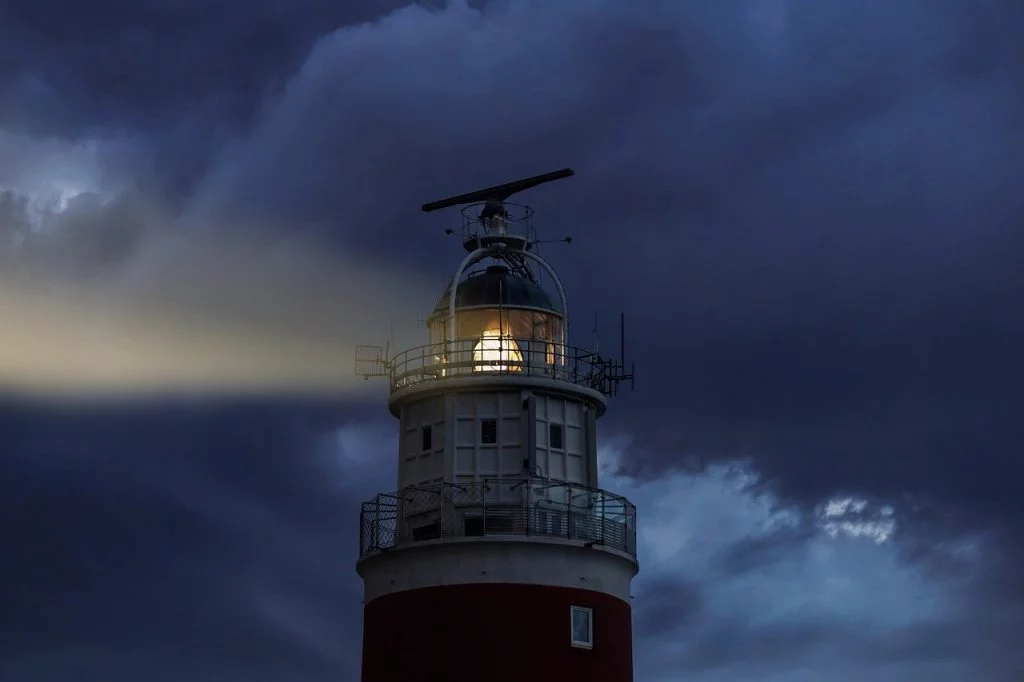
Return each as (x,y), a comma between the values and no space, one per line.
(518,222)
(534,507)
(522,357)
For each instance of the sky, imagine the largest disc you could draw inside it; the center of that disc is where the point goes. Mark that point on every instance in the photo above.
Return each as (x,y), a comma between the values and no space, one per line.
(807,209)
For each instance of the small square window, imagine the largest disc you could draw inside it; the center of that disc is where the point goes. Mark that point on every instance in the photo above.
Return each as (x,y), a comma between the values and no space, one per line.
(555,436)
(581,621)
(488,431)
(428,438)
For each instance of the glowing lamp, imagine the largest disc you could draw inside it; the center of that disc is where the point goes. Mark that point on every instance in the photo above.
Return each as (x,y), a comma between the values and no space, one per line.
(496,352)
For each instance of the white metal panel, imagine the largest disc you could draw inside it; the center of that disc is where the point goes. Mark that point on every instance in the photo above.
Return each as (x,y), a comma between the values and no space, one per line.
(568,459)
(498,413)
(416,465)
(521,441)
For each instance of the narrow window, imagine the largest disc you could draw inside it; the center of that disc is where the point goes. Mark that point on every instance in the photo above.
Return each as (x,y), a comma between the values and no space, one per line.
(428,438)
(488,431)
(555,436)
(581,621)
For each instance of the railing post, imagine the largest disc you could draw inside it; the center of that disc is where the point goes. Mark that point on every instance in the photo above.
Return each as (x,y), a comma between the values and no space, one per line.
(376,531)
(569,534)
(440,514)
(631,532)
(483,507)
(529,509)
(604,499)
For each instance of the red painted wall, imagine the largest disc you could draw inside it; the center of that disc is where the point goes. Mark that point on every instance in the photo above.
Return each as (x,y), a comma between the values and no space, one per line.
(492,633)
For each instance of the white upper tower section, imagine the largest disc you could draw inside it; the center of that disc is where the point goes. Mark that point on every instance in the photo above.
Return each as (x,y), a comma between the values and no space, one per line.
(498,392)
(498,411)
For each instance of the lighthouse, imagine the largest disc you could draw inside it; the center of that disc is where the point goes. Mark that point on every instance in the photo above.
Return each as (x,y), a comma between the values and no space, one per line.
(498,556)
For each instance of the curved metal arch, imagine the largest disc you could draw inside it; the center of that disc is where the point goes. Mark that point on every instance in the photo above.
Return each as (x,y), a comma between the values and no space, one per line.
(480,254)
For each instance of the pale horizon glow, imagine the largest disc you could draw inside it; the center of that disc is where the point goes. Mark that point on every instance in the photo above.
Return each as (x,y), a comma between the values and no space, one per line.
(182,310)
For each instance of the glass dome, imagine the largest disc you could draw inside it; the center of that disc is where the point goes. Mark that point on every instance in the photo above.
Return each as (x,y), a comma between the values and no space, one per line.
(503,320)
(494,287)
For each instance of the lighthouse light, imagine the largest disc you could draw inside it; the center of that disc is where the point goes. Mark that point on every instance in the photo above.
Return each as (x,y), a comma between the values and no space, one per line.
(496,352)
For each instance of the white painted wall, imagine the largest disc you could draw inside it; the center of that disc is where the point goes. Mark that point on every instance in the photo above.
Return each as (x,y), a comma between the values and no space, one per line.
(417,466)
(473,413)
(568,460)
(495,434)
(526,561)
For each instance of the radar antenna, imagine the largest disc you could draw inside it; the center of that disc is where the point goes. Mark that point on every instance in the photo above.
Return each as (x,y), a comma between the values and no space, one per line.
(506,226)
(495,197)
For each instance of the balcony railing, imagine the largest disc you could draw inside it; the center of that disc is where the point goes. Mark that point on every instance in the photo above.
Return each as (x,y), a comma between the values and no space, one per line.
(521,357)
(533,507)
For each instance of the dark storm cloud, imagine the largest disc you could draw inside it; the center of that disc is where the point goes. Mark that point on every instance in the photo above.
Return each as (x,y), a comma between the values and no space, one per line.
(775,602)
(669,604)
(817,199)
(77,67)
(750,554)
(171,540)
(743,647)
(185,75)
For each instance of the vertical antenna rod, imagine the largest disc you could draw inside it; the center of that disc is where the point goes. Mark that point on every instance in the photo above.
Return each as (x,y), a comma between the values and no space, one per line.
(622,340)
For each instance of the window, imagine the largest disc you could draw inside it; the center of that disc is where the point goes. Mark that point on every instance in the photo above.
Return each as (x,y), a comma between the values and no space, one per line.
(428,438)
(581,621)
(555,436)
(488,431)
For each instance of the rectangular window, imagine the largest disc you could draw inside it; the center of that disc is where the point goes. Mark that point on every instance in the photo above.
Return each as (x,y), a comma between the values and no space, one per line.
(428,438)
(555,436)
(581,620)
(488,431)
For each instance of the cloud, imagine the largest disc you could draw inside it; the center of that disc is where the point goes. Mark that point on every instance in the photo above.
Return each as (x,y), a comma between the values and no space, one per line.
(812,227)
(735,585)
(193,544)
(107,66)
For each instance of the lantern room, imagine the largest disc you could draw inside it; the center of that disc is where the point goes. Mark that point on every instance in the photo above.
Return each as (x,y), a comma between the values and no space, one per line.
(507,317)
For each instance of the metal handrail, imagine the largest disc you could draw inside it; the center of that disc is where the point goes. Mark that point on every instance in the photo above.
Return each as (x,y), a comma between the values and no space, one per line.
(527,357)
(511,506)
(518,221)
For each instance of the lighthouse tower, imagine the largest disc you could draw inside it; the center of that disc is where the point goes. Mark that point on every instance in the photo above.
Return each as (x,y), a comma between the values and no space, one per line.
(498,557)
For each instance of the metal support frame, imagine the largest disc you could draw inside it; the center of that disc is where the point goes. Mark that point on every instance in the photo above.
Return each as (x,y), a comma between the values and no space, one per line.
(497,251)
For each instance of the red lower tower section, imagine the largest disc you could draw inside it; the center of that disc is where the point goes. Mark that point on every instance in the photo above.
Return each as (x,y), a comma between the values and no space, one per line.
(497,632)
